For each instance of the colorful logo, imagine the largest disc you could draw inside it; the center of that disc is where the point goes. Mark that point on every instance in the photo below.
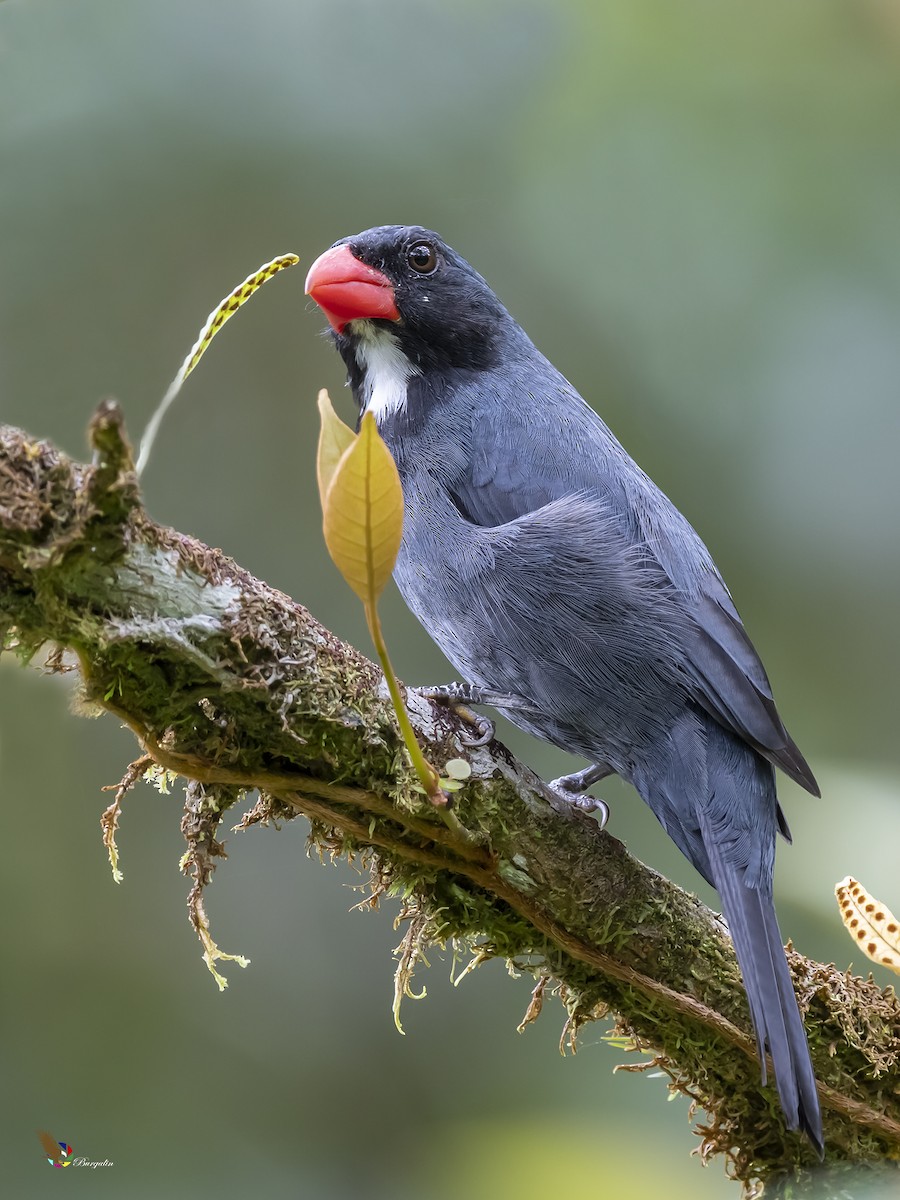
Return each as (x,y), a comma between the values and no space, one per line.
(59,1154)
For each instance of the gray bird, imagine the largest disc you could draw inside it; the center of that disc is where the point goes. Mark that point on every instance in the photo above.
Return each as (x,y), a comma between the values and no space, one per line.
(568,591)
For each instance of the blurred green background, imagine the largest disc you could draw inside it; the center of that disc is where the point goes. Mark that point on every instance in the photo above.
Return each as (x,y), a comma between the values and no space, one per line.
(693,209)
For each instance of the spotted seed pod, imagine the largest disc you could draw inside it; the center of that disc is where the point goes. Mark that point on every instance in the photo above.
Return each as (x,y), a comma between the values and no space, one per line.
(872,925)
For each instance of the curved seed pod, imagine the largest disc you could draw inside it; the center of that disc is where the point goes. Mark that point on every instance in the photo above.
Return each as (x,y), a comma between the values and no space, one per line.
(872,925)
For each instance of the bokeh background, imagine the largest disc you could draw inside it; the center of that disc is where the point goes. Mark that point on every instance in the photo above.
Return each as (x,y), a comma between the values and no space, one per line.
(693,209)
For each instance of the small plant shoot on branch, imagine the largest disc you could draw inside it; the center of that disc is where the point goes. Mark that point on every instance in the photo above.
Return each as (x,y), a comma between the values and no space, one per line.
(362,520)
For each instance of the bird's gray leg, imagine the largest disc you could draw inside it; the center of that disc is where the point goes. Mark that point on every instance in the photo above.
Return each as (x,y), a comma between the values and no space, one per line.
(460,695)
(571,788)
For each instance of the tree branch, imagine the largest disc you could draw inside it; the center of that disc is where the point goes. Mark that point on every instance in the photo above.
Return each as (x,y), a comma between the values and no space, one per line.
(233,686)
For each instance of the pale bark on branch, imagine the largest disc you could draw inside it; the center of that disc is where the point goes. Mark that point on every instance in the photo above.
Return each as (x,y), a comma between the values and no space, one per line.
(232,685)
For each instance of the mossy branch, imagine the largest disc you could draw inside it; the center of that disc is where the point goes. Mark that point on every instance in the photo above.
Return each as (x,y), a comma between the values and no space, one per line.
(233,686)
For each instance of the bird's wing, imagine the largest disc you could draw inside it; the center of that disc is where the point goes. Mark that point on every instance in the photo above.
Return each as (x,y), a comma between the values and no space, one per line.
(725,674)
(732,685)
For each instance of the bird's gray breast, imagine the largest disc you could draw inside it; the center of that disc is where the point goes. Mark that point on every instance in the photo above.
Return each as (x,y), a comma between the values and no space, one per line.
(557,606)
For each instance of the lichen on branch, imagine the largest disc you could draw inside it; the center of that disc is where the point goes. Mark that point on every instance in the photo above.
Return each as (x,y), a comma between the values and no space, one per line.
(233,686)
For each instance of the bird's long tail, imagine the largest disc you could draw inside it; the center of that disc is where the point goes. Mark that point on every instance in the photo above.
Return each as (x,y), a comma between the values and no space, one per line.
(750,913)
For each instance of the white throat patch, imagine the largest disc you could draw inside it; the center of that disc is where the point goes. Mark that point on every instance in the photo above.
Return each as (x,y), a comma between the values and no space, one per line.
(386,370)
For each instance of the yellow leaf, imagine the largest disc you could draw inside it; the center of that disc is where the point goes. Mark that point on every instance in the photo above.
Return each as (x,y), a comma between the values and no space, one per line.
(363,514)
(872,925)
(334,438)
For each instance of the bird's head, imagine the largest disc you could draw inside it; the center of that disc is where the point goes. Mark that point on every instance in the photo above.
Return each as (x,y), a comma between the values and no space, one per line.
(401,288)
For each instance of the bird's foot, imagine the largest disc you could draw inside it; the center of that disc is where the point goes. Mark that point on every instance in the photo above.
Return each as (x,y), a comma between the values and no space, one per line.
(571,788)
(459,696)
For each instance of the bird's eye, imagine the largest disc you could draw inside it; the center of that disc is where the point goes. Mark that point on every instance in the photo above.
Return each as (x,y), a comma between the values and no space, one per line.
(422,258)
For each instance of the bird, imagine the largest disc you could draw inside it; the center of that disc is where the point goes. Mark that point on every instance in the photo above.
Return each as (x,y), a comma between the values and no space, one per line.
(569,592)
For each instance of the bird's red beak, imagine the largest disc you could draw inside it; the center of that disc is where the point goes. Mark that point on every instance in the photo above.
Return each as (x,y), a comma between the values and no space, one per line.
(347,290)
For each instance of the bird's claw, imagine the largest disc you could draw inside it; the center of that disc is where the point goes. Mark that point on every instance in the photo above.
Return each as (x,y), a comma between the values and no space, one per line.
(459,696)
(572,789)
(484,725)
(586,804)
